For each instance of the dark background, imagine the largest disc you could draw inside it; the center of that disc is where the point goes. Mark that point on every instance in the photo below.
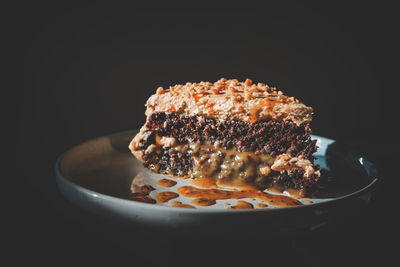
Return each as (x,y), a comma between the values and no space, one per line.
(86,70)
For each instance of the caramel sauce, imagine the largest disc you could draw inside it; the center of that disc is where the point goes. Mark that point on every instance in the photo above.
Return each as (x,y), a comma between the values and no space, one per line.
(204,182)
(203,201)
(178,177)
(277,200)
(196,97)
(165,196)
(226,166)
(294,193)
(241,205)
(237,187)
(146,189)
(179,204)
(275,189)
(261,205)
(211,109)
(166,183)
(158,140)
(215,166)
(141,197)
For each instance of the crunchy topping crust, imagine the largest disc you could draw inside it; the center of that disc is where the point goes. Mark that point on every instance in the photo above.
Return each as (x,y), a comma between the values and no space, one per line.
(229,99)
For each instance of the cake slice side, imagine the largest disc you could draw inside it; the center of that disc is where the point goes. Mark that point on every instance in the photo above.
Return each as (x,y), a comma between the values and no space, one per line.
(266,144)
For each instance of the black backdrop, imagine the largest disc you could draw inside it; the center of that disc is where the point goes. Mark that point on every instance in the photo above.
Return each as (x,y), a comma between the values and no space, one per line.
(86,70)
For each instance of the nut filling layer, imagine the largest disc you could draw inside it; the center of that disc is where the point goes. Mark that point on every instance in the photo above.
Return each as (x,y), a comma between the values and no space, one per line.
(229,167)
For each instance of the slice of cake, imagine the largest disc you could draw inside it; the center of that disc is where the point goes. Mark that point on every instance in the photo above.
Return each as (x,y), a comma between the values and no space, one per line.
(236,133)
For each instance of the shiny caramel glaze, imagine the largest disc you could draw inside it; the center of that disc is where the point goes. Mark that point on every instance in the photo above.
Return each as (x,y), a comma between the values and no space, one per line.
(166,183)
(204,182)
(203,201)
(179,204)
(214,165)
(146,189)
(241,205)
(275,189)
(166,196)
(261,205)
(294,193)
(212,193)
(141,197)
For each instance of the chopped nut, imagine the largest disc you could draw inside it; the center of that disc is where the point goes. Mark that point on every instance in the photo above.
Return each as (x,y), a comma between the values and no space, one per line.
(248,82)
(134,145)
(196,96)
(231,90)
(150,149)
(265,170)
(248,95)
(160,90)
(156,167)
(215,91)
(166,141)
(237,97)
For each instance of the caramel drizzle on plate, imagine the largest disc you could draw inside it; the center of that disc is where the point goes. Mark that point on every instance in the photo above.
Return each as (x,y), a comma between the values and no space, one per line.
(179,204)
(241,205)
(143,195)
(215,194)
(166,196)
(166,183)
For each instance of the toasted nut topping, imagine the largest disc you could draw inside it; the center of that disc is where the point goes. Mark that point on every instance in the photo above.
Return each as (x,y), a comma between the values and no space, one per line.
(265,170)
(226,95)
(248,82)
(160,90)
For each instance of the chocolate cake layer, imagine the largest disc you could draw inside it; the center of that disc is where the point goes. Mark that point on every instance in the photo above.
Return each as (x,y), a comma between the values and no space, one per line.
(167,160)
(263,141)
(269,136)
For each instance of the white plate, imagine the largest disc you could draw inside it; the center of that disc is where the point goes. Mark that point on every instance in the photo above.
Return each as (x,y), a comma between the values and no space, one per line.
(97,176)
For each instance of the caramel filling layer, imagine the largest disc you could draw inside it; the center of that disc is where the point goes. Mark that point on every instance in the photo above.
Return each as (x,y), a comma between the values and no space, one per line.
(226,166)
